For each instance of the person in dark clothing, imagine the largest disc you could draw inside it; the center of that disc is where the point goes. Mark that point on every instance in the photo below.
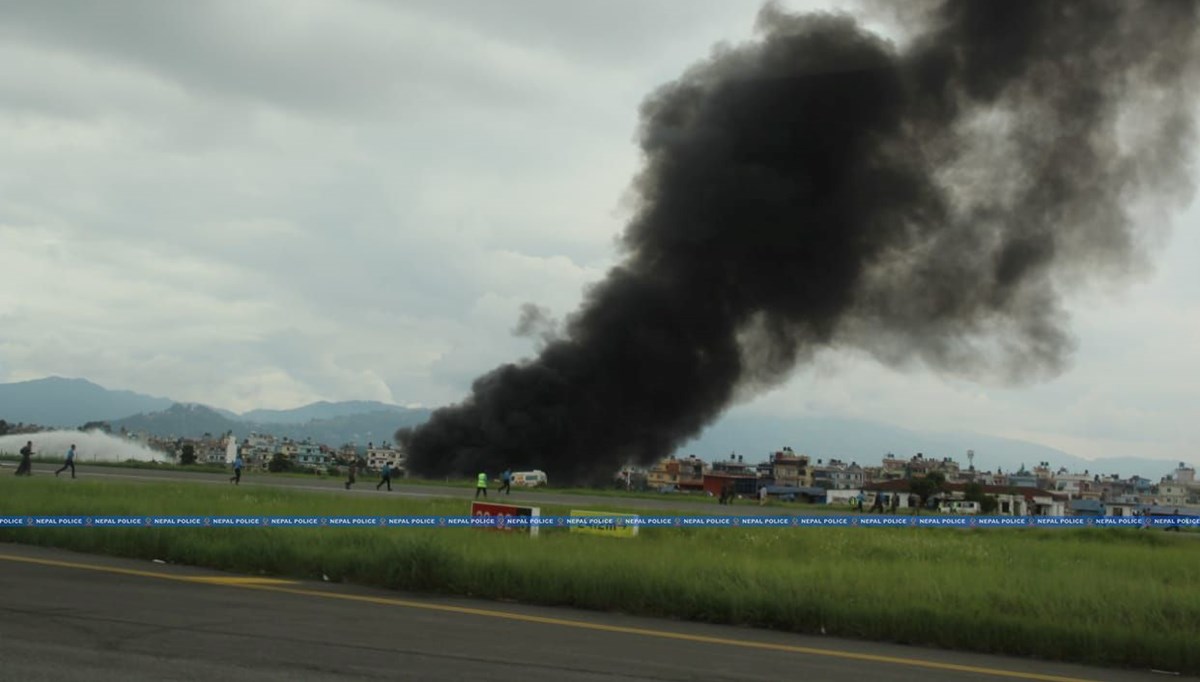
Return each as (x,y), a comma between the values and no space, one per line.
(350,480)
(505,482)
(25,468)
(877,505)
(386,476)
(70,463)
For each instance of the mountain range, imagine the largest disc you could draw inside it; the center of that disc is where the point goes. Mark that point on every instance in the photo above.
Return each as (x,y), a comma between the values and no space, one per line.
(70,403)
(189,420)
(55,401)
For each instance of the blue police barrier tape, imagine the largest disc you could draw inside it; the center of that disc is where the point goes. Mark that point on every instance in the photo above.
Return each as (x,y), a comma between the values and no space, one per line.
(865,521)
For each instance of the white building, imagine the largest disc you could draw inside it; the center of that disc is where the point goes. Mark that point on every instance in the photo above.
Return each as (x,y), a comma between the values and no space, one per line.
(1071,484)
(258,449)
(1172,493)
(378,455)
(1184,474)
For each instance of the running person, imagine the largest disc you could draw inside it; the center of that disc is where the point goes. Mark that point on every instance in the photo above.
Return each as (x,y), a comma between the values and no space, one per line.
(387,476)
(878,503)
(25,468)
(70,463)
(236,479)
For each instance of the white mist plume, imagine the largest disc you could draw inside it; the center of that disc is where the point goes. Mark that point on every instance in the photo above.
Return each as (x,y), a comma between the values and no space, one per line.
(90,446)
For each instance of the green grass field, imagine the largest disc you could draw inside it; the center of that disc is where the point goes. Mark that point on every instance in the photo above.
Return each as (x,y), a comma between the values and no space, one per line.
(1100,596)
(463,483)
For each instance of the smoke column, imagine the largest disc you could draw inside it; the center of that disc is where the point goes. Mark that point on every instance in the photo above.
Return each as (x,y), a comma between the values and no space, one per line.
(822,187)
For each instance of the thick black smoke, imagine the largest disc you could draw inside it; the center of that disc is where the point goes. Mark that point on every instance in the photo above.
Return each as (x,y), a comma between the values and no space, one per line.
(821,187)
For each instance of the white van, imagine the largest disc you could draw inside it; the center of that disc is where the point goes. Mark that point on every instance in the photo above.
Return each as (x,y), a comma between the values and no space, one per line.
(529,479)
(959,507)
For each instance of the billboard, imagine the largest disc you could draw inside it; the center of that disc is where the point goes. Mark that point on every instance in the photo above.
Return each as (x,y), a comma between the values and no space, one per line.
(501,512)
(622,526)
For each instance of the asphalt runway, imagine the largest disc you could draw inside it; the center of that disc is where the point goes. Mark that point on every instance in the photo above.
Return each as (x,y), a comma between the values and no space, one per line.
(366,486)
(67,616)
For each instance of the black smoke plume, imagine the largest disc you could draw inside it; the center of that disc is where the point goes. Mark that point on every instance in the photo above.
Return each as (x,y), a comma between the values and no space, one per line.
(823,187)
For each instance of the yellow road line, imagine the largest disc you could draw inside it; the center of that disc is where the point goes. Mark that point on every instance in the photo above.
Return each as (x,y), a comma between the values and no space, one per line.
(276,585)
(237,581)
(222,580)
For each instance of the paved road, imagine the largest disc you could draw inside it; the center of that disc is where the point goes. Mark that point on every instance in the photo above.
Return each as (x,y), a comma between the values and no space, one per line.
(366,486)
(66,616)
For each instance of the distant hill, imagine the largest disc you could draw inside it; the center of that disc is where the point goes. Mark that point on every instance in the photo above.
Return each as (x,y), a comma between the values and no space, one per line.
(193,421)
(369,427)
(754,436)
(181,420)
(70,403)
(321,410)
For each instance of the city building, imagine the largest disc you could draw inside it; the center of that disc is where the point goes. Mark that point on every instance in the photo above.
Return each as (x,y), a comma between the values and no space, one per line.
(385,453)
(680,474)
(785,466)
(837,475)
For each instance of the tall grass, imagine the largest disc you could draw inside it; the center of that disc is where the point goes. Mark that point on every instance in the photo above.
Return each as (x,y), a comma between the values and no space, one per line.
(1100,596)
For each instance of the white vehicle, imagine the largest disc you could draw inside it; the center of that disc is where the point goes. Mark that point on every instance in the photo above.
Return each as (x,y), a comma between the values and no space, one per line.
(529,479)
(959,507)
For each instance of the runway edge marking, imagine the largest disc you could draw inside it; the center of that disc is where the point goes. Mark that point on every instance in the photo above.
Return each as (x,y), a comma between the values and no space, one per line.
(234,581)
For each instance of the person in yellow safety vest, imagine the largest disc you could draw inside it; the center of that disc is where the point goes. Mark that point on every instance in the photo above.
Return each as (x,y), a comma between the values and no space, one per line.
(481,486)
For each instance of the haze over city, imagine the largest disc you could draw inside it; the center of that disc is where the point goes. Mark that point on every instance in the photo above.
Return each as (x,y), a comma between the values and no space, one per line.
(261,205)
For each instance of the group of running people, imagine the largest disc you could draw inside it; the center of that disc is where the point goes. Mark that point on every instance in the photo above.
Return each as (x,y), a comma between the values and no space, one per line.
(25,467)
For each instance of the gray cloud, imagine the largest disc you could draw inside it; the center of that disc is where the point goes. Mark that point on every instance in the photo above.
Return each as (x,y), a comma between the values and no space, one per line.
(359,58)
(255,204)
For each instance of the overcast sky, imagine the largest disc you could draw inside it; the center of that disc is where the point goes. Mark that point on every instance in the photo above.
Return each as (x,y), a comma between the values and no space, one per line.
(266,203)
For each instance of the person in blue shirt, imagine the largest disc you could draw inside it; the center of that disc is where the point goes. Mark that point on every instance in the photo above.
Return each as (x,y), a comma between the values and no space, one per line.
(70,463)
(236,479)
(387,476)
(505,482)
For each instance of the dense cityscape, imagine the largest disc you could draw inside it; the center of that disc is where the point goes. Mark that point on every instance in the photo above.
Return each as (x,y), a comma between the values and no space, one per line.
(898,483)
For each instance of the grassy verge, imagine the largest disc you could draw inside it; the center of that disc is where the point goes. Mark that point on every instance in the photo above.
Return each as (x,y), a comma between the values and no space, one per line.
(1107,597)
(692,498)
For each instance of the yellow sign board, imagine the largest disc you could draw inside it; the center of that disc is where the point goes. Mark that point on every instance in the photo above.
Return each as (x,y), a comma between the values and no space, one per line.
(620,526)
